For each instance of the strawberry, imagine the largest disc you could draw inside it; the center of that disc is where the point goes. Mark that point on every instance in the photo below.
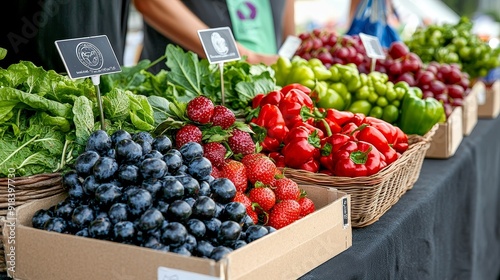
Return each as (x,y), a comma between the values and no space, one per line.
(245,200)
(223,117)
(236,172)
(261,169)
(241,142)
(306,206)
(286,188)
(284,213)
(215,152)
(216,173)
(251,157)
(200,109)
(263,196)
(253,215)
(188,133)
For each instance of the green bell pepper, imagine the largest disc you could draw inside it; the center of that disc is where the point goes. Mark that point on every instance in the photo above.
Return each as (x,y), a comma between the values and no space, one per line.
(419,115)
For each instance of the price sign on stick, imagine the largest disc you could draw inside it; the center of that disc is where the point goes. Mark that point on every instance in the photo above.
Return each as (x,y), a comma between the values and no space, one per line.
(373,48)
(89,57)
(290,46)
(219,46)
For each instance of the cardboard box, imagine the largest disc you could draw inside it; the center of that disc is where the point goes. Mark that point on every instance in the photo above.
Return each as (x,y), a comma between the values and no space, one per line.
(286,254)
(448,137)
(469,110)
(489,101)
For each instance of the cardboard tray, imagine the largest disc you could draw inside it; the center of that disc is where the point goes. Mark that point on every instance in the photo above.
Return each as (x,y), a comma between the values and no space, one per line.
(286,254)
(489,101)
(448,137)
(469,110)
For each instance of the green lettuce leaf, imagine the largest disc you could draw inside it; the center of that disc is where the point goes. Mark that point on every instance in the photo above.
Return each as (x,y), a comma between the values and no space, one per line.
(116,105)
(83,119)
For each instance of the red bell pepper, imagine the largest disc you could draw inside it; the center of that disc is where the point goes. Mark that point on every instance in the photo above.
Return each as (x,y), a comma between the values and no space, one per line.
(340,117)
(373,136)
(396,138)
(301,87)
(278,158)
(270,127)
(273,97)
(256,100)
(351,130)
(301,149)
(329,146)
(291,105)
(356,159)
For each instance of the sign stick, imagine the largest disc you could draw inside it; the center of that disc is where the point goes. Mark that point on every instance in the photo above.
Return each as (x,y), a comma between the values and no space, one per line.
(96,81)
(221,70)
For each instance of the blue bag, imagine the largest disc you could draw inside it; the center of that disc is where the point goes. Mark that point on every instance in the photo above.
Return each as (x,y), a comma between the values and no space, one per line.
(371,19)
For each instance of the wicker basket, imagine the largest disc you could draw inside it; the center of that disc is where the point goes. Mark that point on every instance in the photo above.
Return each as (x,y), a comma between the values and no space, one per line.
(373,195)
(26,189)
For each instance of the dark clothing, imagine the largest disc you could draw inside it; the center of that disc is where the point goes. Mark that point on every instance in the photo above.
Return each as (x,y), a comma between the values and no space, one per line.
(30,28)
(213,13)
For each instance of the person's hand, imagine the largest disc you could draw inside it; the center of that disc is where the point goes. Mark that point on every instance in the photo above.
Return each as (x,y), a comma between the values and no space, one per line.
(256,58)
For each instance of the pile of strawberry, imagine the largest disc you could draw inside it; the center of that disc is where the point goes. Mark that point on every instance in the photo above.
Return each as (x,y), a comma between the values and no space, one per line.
(270,198)
(296,134)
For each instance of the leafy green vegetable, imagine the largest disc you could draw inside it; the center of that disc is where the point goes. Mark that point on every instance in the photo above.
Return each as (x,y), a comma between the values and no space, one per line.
(83,119)
(141,112)
(185,69)
(116,105)
(160,107)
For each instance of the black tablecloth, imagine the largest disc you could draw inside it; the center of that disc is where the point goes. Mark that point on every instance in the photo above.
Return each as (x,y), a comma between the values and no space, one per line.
(446,227)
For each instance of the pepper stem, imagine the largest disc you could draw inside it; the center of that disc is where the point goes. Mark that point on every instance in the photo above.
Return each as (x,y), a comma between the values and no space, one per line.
(360,157)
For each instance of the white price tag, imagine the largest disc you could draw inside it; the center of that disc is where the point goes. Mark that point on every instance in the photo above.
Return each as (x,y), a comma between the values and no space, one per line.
(372,46)
(165,273)
(290,46)
(219,44)
(481,96)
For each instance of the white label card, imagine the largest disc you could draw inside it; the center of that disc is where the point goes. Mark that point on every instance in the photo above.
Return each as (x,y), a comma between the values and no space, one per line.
(372,46)
(290,46)
(165,273)
(219,44)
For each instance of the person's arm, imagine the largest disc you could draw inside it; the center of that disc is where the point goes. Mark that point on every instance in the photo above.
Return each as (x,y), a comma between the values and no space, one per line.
(174,20)
(288,19)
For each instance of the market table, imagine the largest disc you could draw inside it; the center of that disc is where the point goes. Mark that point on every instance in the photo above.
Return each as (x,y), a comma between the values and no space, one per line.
(446,227)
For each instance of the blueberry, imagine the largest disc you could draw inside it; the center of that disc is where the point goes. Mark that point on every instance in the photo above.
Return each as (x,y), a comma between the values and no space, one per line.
(98,141)
(162,143)
(127,151)
(105,168)
(111,153)
(200,168)
(144,136)
(255,232)
(220,252)
(223,190)
(55,224)
(153,168)
(152,186)
(100,228)
(71,179)
(128,174)
(234,211)
(90,185)
(82,216)
(196,228)
(85,162)
(173,161)
(64,209)
(191,185)
(124,231)
(204,208)
(107,194)
(174,234)
(204,249)
(41,216)
(118,212)
(190,151)
(118,136)
(181,250)
(139,201)
(213,226)
(162,206)
(76,192)
(171,189)
(190,243)
(246,222)
(153,154)
(151,219)
(204,189)
(270,229)
(229,232)
(152,242)
(83,232)
(239,243)
(190,201)
(179,211)
(145,145)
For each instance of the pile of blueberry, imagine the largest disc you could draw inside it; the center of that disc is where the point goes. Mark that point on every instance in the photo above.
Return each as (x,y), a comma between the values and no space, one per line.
(138,189)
